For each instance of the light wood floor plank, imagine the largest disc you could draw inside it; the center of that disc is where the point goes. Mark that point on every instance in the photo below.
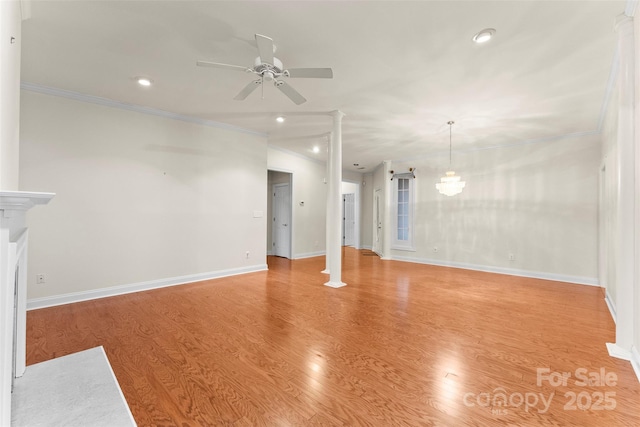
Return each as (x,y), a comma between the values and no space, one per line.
(402,345)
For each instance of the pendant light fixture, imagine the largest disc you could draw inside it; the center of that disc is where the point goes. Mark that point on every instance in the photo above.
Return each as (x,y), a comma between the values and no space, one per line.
(450,184)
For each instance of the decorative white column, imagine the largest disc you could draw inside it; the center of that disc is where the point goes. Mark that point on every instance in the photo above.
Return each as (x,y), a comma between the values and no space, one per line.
(626,188)
(13,287)
(386,218)
(10,51)
(334,250)
(328,232)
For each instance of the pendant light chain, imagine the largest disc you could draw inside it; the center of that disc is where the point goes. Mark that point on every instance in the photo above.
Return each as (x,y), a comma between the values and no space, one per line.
(450,184)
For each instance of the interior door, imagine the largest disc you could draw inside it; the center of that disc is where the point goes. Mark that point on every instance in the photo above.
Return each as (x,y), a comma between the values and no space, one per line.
(348,219)
(377,220)
(281,229)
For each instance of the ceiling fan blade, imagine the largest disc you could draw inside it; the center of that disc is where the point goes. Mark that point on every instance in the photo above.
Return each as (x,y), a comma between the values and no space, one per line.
(312,73)
(219,65)
(265,48)
(290,92)
(247,90)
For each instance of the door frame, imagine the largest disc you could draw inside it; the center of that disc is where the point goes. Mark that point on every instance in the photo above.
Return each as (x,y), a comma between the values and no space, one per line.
(378,222)
(270,230)
(357,209)
(344,220)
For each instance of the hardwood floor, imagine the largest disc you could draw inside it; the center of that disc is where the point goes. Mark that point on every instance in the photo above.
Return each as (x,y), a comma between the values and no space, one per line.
(402,345)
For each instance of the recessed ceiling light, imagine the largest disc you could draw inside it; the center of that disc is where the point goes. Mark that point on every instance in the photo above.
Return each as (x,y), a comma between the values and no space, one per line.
(144,81)
(484,35)
(316,149)
(280,119)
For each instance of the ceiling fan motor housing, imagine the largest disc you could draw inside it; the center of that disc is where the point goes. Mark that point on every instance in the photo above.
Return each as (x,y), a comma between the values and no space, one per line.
(268,71)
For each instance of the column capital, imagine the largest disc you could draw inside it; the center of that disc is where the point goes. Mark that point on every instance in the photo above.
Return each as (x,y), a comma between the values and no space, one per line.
(622,23)
(337,114)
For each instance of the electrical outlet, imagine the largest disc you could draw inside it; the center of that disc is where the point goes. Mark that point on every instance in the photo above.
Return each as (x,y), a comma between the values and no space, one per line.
(435,249)
(512,257)
(39,278)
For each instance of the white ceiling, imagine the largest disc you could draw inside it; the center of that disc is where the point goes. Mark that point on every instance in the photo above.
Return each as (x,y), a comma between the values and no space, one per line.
(401,69)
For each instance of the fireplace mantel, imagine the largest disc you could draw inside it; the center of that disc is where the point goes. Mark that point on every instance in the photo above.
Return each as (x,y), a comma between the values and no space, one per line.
(13,286)
(16,201)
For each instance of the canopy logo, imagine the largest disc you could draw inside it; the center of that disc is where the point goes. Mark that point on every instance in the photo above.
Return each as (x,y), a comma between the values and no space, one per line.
(501,402)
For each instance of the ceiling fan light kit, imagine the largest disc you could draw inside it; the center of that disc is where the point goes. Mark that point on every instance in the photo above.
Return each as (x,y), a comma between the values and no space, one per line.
(450,184)
(269,68)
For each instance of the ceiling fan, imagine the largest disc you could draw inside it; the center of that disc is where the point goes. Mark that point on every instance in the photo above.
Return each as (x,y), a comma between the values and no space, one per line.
(269,68)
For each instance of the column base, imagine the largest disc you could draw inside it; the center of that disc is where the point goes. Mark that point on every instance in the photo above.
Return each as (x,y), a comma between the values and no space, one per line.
(618,352)
(326,271)
(335,284)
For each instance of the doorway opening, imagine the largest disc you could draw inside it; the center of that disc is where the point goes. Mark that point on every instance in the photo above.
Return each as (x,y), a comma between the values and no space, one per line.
(351,214)
(377,222)
(279,224)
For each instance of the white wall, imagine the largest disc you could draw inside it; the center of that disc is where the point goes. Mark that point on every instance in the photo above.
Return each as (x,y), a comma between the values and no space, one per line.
(139,197)
(308,221)
(535,201)
(349,188)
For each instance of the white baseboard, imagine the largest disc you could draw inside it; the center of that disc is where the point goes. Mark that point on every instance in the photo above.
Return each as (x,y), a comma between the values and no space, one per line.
(500,270)
(610,305)
(618,352)
(36,303)
(368,247)
(308,255)
(635,361)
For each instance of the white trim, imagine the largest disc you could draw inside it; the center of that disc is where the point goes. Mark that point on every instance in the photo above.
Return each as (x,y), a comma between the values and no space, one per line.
(618,352)
(36,303)
(591,281)
(368,247)
(403,248)
(309,255)
(631,7)
(32,87)
(20,349)
(610,305)
(403,245)
(115,380)
(635,361)
(22,201)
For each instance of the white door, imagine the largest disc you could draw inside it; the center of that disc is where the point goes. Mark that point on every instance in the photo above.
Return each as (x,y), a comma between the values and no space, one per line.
(281,217)
(348,219)
(377,221)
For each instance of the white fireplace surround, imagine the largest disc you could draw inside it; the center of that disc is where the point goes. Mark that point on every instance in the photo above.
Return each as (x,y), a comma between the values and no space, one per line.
(13,289)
